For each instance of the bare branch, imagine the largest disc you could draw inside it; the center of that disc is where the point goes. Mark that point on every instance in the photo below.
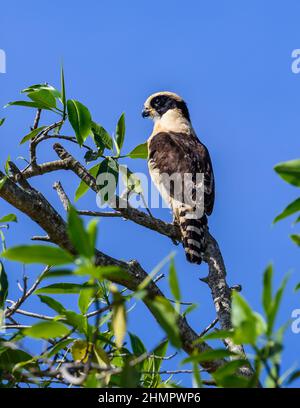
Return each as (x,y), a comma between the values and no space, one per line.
(62,195)
(18,176)
(34,315)
(209,327)
(41,238)
(40,169)
(40,210)
(12,309)
(71,139)
(104,214)
(14,326)
(128,212)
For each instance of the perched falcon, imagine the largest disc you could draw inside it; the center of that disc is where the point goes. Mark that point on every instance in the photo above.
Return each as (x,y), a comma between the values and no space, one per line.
(181,169)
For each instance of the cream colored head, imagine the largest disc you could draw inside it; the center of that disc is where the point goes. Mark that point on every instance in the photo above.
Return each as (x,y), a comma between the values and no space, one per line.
(160,103)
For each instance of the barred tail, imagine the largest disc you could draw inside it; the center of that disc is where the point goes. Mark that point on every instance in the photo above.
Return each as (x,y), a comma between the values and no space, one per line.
(194,236)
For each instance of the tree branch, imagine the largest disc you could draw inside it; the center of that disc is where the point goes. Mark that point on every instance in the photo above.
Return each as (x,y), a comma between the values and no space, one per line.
(36,206)
(216,279)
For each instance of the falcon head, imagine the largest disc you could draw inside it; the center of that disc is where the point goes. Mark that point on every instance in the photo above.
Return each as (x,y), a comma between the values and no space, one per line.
(161,102)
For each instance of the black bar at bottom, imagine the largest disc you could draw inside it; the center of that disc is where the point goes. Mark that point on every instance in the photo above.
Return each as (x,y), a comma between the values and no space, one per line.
(129,397)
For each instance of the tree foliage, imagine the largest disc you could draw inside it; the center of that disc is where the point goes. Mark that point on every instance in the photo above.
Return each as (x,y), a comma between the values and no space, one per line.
(91,346)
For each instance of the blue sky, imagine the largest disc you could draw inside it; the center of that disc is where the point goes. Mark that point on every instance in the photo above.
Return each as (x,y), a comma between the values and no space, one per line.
(231,62)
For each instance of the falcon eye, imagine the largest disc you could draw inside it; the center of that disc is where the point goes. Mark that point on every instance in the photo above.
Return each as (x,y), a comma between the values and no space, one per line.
(159,101)
(162,103)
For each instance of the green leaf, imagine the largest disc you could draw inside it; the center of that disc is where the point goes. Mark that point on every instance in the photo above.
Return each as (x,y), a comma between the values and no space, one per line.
(273,310)
(77,321)
(43,97)
(47,330)
(101,137)
(197,383)
(52,303)
(267,289)
(217,335)
(9,218)
(241,311)
(120,131)
(11,356)
(109,272)
(119,318)
(131,181)
(60,288)
(160,351)
(227,369)
(92,230)
(295,238)
(107,183)
(137,345)
(59,346)
(80,119)
(155,271)
(208,355)
(2,121)
(83,187)
(54,273)
(139,152)
(28,104)
(289,210)
(41,254)
(81,350)
(78,235)
(6,167)
(3,286)
(235,381)
(2,181)
(42,87)
(294,376)
(167,319)
(92,381)
(119,323)
(32,134)
(289,171)
(85,299)
(91,155)
(63,90)
(247,324)
(129,377)
(190,309)
(173,281)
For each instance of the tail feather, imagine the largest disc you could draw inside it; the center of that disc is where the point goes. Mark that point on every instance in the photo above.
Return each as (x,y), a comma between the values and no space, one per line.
(194,236)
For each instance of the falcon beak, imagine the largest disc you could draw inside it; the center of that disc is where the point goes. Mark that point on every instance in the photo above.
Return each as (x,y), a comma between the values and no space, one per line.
(146,113)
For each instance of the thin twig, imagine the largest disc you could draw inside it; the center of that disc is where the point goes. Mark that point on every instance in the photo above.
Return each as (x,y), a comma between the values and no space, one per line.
(41,238)
(33,314)
(103,214)
(14,326)
(71,139)
(209,327)
(11,310)
(32,144)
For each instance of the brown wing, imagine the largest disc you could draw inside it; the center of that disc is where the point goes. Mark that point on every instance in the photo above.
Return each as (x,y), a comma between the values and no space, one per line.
(172,152)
